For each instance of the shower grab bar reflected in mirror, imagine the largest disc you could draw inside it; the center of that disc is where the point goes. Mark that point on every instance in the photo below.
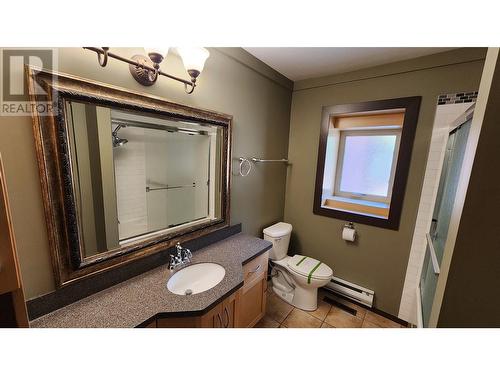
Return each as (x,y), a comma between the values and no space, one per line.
(168,187)
(432,253)
(258,160)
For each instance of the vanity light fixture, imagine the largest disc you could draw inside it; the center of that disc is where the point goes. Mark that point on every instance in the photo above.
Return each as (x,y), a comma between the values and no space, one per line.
(146,69)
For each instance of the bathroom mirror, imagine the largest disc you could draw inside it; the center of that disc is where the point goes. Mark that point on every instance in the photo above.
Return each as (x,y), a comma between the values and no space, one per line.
(363,160)
(125,175)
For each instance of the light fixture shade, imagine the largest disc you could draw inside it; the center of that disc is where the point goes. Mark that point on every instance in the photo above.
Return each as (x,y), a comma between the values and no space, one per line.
(157,50)
(193,58)
(156,54)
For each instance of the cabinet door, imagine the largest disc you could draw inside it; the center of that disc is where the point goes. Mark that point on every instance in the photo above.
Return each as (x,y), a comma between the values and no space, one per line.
(229,310)
(213,318)
(253,304)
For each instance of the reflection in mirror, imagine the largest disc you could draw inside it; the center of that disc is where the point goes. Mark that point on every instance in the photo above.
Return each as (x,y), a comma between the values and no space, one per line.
(137,176)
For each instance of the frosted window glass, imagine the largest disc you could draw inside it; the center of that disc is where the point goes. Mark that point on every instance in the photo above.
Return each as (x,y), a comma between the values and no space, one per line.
(367,164)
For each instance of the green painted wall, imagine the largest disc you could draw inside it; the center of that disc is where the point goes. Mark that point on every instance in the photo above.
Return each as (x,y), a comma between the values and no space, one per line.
(233,82)
(379,259)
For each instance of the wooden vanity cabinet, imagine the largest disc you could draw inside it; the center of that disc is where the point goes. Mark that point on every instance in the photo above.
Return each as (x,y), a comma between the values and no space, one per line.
(229,310)
(220,316)
(252,301)
(212,319)
(242,309)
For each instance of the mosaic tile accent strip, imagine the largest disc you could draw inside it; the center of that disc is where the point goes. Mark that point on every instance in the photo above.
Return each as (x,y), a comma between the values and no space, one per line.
(461,97)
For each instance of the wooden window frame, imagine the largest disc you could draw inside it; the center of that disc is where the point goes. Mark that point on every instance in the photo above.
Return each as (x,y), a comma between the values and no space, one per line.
(410,106)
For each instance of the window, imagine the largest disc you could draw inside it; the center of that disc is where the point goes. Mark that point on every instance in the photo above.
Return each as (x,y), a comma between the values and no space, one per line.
(366,164)
(363,160)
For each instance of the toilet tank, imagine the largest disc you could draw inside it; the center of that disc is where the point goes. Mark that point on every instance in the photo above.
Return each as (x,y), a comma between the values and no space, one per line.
(279,234)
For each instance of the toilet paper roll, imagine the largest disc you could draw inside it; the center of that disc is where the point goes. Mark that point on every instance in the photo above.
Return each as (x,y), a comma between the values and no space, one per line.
(349,234)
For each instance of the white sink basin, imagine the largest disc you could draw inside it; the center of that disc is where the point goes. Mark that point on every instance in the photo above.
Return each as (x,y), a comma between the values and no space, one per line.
(196,278)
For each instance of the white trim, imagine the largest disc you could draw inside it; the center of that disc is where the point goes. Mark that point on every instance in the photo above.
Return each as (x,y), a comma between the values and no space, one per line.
(420,319)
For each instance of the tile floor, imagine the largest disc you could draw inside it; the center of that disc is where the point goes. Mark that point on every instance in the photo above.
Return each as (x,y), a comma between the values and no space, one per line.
(280,314)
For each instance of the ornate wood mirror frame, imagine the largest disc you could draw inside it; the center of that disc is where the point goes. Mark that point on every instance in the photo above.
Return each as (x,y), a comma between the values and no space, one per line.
(57,179)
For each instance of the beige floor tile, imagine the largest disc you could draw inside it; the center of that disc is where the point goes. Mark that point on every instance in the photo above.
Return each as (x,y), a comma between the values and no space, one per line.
(380,320)
(368,324)
(341,319)
(326,325)
(360,311)
(322,311)
(270,287)
(277,309)
(267,322)
(300,319)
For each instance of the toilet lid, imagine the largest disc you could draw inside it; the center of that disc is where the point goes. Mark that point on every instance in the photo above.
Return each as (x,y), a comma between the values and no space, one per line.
(309,267)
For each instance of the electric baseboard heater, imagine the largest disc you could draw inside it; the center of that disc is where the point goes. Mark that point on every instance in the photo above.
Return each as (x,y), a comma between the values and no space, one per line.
(351,291)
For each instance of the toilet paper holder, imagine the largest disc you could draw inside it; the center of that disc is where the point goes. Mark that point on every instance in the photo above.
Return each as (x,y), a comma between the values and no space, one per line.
(349,225)
(349,232)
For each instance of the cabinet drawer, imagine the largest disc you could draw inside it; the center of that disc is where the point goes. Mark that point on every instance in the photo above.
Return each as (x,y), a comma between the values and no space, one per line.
(253,270)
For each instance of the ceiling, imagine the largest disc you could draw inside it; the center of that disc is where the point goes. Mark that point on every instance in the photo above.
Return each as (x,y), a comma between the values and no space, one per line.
(297,63)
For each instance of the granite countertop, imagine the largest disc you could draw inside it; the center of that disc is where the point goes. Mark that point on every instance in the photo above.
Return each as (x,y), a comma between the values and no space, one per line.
(137,300)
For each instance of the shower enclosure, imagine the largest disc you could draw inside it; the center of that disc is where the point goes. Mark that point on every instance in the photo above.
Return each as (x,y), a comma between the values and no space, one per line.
(162,174)
(436,238)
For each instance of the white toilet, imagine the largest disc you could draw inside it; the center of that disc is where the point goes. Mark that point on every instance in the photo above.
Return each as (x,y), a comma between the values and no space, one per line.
(295,279)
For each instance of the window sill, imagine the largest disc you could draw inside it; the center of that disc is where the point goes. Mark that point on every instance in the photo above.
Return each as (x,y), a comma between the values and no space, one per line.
(375,209)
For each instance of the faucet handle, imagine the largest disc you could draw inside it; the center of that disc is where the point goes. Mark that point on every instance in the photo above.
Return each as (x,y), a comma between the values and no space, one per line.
(172,263)
(187,255)
(178,247)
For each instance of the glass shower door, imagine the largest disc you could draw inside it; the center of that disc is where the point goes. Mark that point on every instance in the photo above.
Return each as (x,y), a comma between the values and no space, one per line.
(436,239)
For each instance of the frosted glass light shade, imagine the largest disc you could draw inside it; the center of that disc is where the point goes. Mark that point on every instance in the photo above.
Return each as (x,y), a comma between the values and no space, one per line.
(194,59)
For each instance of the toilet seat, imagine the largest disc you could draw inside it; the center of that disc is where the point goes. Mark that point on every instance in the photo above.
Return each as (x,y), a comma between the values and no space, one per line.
(308,267)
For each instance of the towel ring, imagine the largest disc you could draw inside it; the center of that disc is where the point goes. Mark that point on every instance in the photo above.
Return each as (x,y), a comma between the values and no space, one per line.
(104,61)
(245,167)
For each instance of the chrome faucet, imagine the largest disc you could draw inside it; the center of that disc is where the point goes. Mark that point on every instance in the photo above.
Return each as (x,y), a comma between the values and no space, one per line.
(183,256)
